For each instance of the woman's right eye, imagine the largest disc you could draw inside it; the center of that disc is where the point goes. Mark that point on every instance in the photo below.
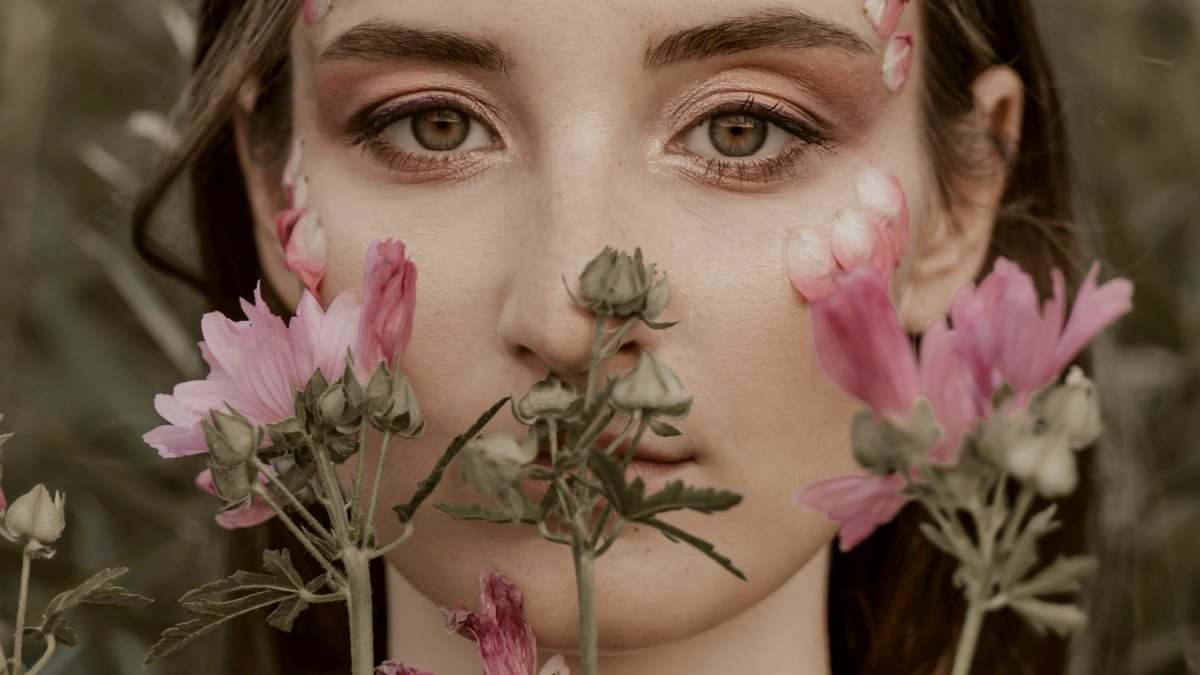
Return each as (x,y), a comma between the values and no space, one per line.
(438,130)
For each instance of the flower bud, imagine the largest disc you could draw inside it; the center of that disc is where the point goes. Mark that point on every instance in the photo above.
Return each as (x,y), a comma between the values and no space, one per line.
(657,299)
(1074,408)
(653,388)
(548,399)
(889,444)
(234,484)
(35,516)
(232,439)
(616,283)
(492,464)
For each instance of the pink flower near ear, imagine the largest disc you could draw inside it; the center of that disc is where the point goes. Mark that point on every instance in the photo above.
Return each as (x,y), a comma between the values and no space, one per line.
(506,642)
(258,364)
(897,60)
(859,503)
(315,10)
(254,513)
(396,668)
(884,14)
(304,250)
(389,300)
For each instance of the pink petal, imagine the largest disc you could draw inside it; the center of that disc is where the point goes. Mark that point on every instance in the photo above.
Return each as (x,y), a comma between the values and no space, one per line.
(897,60)
(946,381)
(884,15)
(881,196)
(389,301)
(506,642)
(254,513)
(396,668)
(854,239)
(810,263)
(321,338)
(861,345)
(315,10)
(859,503)
(303,239)
(295,196)
(1094,310)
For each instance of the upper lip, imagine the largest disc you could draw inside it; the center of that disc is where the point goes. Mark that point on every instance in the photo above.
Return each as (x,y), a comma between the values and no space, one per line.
(650,452)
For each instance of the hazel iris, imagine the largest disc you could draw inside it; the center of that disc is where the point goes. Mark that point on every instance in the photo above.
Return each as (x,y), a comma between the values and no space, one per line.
(737,135)
(440,130)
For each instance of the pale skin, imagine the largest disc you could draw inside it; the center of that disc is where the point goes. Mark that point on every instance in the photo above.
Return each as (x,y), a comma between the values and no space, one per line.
(579,142)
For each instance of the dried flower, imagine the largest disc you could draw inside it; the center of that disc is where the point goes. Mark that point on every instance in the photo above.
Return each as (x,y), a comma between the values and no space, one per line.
(37,517)
(506,642)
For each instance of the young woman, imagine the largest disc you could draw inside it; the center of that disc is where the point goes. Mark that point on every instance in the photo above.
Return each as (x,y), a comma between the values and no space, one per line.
(506,143)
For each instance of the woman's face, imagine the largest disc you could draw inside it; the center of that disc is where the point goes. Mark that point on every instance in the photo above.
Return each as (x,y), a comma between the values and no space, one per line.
(506,144)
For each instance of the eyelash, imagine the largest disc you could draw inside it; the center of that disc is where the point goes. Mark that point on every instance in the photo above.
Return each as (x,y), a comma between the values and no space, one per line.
(367,130)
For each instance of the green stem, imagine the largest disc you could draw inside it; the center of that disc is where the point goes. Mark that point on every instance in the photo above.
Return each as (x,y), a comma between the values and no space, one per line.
(369,524)
(362,639)
(614,342)
(585,582)
(282,489)
(51,643)
(969,639)
(637,438)
(22,600)
(594,363)
(360,463)
(299,533)
(333,492)
(405,536)
(1013,526)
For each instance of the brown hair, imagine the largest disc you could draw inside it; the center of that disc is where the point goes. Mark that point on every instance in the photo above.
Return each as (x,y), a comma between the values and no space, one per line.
(891,608)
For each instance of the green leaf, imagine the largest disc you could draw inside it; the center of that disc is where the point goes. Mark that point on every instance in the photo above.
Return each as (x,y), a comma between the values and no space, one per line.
(405,511)
(1064,575)
(630,500)
(97,590)
(179,635)
(1058,617)
(284,615)
(661,428)
(477,512)
(279,563)
(1023,555)
(675,534)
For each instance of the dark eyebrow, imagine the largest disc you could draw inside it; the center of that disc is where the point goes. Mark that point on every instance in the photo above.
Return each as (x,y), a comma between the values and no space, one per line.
(387,41)
(787,28)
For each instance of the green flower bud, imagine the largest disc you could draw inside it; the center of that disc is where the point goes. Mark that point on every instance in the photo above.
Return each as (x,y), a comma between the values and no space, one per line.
(889,444)
(232,439)
(1074,408)
(653,388)
(298,479)
(492,464)
(657,299)
(616,283)
(1033,448)
(35,516)
(548,399)
(234,484)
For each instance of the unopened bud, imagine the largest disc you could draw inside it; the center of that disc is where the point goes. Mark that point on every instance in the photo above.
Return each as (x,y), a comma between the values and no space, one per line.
(35,516)
(1074,408)
(616,283)
(232,439)
(653,388)
(889,444)
(547,399)
(492,464)
(658,298)
(332,404)
(234,484)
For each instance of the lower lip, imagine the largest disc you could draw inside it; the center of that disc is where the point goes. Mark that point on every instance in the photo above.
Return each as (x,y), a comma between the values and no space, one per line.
(654,474)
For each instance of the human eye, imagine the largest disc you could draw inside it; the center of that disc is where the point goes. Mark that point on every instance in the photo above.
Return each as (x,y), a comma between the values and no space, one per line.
(750,141)
(424,134)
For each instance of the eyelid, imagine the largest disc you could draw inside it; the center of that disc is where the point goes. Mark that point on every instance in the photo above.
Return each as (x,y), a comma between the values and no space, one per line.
(808,131)
(372,121)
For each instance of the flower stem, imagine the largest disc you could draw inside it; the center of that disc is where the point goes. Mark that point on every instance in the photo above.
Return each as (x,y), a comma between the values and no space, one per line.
(282,489)
(969,638)
(362,639)
(51,643)
(597,357)
(368,525)
(298,533)
(22,599)
(585,582)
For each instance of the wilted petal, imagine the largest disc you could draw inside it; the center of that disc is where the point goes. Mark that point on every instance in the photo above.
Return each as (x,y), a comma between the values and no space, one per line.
(884,15)
(897,60)
(506,642)
(315,10)
(861,345)
(397,668)
(389,300)
(810,262)
(859,503)
(254,513)
(304,250)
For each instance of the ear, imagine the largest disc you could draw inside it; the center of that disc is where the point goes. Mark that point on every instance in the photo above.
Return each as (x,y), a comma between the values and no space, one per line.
(265,192)
(953,245)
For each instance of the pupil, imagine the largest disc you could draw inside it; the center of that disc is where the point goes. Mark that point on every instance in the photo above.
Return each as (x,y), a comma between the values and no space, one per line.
(737,135)
(440,130)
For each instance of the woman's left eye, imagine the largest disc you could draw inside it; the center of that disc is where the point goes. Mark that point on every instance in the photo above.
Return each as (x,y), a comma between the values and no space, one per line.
(735,136)
(438,130)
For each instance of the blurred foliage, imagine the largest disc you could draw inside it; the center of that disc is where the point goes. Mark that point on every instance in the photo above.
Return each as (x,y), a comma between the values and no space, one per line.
(88,334)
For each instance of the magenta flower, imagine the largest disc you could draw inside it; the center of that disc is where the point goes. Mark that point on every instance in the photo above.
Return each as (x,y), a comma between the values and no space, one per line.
(258,364)
(884,15)
(397,668)
(506,642)
(254,513)
(897,60)
(999,334)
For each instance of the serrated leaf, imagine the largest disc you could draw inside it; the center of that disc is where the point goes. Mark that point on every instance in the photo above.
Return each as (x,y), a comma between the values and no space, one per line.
(1023,555)
(675,534)
(284,615)
(1064,575)
(1059,617)
(97,590)
(279,563)
(179,635)
(630,500)
(68,600)
(663,429)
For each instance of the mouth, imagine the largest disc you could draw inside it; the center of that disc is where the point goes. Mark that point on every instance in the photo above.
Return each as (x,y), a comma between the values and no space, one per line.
(653,463)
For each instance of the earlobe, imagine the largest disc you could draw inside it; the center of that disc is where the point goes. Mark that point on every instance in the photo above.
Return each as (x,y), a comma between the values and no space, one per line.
(952,245)
(265,194)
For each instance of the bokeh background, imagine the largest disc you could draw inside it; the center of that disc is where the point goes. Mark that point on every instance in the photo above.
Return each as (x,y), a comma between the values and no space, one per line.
(89,334)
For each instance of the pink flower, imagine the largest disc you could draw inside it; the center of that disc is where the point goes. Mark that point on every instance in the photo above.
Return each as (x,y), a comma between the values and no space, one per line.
(506,642)
(258,364)
(884,15)
(315,10)
(998,333)
(254,513)
(897,60)
(304,250)
(873,233)
(396,668)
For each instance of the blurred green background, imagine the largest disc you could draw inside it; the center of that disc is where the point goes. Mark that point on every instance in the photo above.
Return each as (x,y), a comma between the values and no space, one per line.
(88,334)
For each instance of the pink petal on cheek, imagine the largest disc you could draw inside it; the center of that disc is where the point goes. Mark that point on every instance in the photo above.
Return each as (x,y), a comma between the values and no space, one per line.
(810,262)
(881,195)
(315,10)
(897,60)
(884,15)
(295,188)
(303,239)
(389,301)
(854,239)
